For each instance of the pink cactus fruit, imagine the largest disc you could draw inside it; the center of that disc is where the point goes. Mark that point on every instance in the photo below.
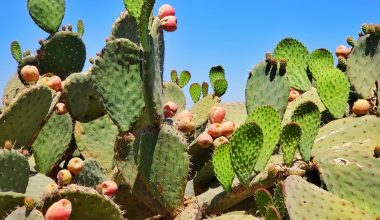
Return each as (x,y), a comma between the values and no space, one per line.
(64,177)
(184,114)
(186,124)
(170,109)
(166,10)
(169,23)
(204,140)
(361,107)
(75,165)
(60,210)
(342,51)
(217,114)
(219,141)
(53,82)
(30,73)
(215,130)
(293,94)
(108,188)
(228,128)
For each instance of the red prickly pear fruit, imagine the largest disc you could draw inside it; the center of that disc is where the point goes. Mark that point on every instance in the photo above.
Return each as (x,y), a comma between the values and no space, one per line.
(166,10)
(215,130)
(342,51)
(30,73)
(184,114)
(217,114)
(228,128)
(186,125)
(170,109)
(361,107)
(60,108)
(60,210)
(169,23)
(64,177)
(293,94)
(204,140)
(108,188)
(53,82)
(219,141)
(75,165)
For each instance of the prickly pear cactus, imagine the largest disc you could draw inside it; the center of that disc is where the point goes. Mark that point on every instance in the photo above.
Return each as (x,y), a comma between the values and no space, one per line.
(14,172)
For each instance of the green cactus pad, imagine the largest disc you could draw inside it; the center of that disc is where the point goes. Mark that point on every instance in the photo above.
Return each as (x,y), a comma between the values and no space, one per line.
(311,95)
(116,76)
(279,200)
(82,100)
(23,118)
(307,201)
(216,73)
(83,198)
(235,112)
(52,142)
(96,139)
(201,109)
(184,78)
(9,201)
(22,214)
(269,121)
(13,87)
(62,54)
(308,117)
(47,14)
(198,156)
(266,86)
(91,175)
(235,216)
(174,76)
(365,56)
(37,185)
(80,28)
(351,172)
(263,200)
(290,138)
(172,93)
(206,175)
(139,9)
(14,172)
(320,61)
(296,55)
(334,88)
(125,27)
(16,51)
(195,92)
(221,161)
(272,214)
(204,89)
(246,143)
(164,165)
(220,87)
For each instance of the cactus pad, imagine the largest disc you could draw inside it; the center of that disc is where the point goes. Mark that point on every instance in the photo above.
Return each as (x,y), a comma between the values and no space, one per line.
(184,78)
(37,185)
(221,161)
(195,92)
(16,51)
(9,201)
(263,200)
(246,143)
(22,119)
(220,87)
(333,88)
(306,201)
(267,86)
(62,54)
(308,117)
(91,175)
(13,87)
(52,142)
(204,89)
(95,140)
(14,172)
(125,27)
(320,61)
(80,28)
(235,216)
(296,56)
(22,214)
(172,93)
(174,76)
(47,14)
(116,76)
(269,121)
(216,73)
(290,138)
(235,112)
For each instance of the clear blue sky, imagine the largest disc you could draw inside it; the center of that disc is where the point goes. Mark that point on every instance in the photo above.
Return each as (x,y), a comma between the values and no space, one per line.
(235,34)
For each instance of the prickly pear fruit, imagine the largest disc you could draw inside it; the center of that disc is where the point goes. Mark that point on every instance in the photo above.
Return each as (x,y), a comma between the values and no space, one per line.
(53,82)
(169,23)
(108,188)
(204,140)
(293,94)
(186,125)
(75,165)
(228,128)
(361,107)
(61,108)
(219,141)
(30,73)
(8,145)
(170,109)
(215,130)
(184,114)
(64,177)
(216,114)
(166,10)
(60,210)
(29,203)
(342,51)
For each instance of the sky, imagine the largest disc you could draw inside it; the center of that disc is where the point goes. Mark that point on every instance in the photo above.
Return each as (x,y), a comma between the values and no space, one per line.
(234,34)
